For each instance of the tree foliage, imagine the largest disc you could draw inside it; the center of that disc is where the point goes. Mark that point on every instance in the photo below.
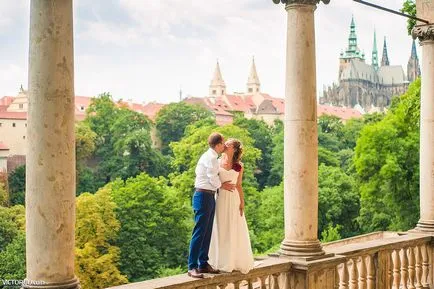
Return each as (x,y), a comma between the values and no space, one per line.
(17,185)
(172,120)
(262,137)
(387,164)
(155,228)
(96,258)
(409,7)
(123,143)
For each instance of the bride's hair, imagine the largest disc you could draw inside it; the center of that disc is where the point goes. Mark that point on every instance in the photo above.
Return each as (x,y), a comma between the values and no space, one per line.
(238,150)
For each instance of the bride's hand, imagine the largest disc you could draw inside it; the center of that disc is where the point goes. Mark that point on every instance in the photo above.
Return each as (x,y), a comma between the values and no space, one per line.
(241,208)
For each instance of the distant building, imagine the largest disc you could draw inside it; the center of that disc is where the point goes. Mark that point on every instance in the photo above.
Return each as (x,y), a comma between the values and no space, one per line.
(13,123)
(253,103)
(369,87)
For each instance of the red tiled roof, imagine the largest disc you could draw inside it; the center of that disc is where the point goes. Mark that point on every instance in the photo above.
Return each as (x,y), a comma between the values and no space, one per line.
(238,103)
(151,109)
(6,100)
(13,115)
(3,146)
(279,104)
(344,113)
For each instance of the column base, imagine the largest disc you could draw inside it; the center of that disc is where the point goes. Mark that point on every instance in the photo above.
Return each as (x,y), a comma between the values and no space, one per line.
(424,226)
(34,284)
(301,249)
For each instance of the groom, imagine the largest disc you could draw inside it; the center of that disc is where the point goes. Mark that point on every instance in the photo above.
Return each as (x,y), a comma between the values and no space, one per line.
(206,185)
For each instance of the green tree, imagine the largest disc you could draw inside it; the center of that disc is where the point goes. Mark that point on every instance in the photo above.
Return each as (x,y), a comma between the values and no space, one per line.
(387,163)
(123,143)
(270,219)
(13,259)
(11,223)
(96,258)
(85,139)
(155,228)
(172,120)
(4,196)
(338,202)
(276,174)
(409,7)
(17,186)
(262,137)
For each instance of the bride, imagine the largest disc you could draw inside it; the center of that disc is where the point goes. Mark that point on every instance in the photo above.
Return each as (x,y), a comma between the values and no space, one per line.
(230,247)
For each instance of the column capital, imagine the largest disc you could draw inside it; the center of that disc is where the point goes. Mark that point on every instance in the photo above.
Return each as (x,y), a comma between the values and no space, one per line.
(424,33)
(300,2)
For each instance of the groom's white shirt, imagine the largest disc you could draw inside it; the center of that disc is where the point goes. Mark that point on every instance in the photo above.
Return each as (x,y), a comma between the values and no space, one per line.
(207,171)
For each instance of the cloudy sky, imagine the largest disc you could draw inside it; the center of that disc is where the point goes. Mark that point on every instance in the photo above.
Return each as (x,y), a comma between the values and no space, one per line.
(146,50)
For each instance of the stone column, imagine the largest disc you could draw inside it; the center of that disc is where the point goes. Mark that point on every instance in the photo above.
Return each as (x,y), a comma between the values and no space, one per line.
(50,179)
(425,33)
(301,135)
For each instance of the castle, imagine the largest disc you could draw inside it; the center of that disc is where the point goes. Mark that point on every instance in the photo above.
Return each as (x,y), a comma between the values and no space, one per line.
(369,87)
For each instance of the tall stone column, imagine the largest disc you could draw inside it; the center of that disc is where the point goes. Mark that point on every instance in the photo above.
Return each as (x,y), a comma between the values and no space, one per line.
(301,135)
(425,33)
(50,179)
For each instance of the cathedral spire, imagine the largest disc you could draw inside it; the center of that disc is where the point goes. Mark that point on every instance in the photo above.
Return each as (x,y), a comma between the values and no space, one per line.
(375,52)
(385,58)
(413,68)
(253,83)
(352,51)
(217,86)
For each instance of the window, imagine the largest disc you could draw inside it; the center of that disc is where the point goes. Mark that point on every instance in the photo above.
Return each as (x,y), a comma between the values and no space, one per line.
(250,90)
(21,106)
(24,137)
(25,125)
(214,92)
(223,92)
(82,108)
(0,124)
(257,90)
(13,124)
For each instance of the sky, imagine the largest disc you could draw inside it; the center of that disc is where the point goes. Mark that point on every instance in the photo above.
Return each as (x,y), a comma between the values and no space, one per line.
(150,50)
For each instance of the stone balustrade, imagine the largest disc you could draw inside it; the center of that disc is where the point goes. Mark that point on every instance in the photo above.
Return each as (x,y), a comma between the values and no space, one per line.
(268,274)
(403,262)
(373,261)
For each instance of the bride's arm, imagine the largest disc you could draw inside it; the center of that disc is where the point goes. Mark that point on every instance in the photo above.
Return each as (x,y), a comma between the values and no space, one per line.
(240,190)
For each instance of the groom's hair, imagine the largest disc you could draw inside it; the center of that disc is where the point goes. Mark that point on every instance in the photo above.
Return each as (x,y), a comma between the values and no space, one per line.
(214,139)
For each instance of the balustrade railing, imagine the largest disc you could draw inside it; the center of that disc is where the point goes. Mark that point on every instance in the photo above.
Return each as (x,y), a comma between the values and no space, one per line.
(392,262)
(398,263)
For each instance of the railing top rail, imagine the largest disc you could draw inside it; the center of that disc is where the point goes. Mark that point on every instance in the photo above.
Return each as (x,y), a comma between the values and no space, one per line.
(269,266)
(371,247)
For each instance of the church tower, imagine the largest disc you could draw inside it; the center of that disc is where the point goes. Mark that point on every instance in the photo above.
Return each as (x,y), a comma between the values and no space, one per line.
(375,52)
(352,51)
(413,68)
(253,84)
(385,58)
(217,86)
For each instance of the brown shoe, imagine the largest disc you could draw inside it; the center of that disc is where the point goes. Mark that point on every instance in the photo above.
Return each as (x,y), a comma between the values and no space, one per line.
(209,269)
(194,273)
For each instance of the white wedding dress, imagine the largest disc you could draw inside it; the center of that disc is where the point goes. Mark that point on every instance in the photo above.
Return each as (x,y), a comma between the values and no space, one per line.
(230,247)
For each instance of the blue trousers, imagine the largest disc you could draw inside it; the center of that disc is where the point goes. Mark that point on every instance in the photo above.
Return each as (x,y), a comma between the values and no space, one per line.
(204,209)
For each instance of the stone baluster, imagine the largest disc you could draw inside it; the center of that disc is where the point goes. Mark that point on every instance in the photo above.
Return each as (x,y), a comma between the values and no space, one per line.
(264,281)
(411,268)
(425,266)
(418,266)
(354,274)
(275,283)
(404,268)
(343,275)
(237,284)
(250,283)
(390,269)
(396,270)
(371,272)
(361,266)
